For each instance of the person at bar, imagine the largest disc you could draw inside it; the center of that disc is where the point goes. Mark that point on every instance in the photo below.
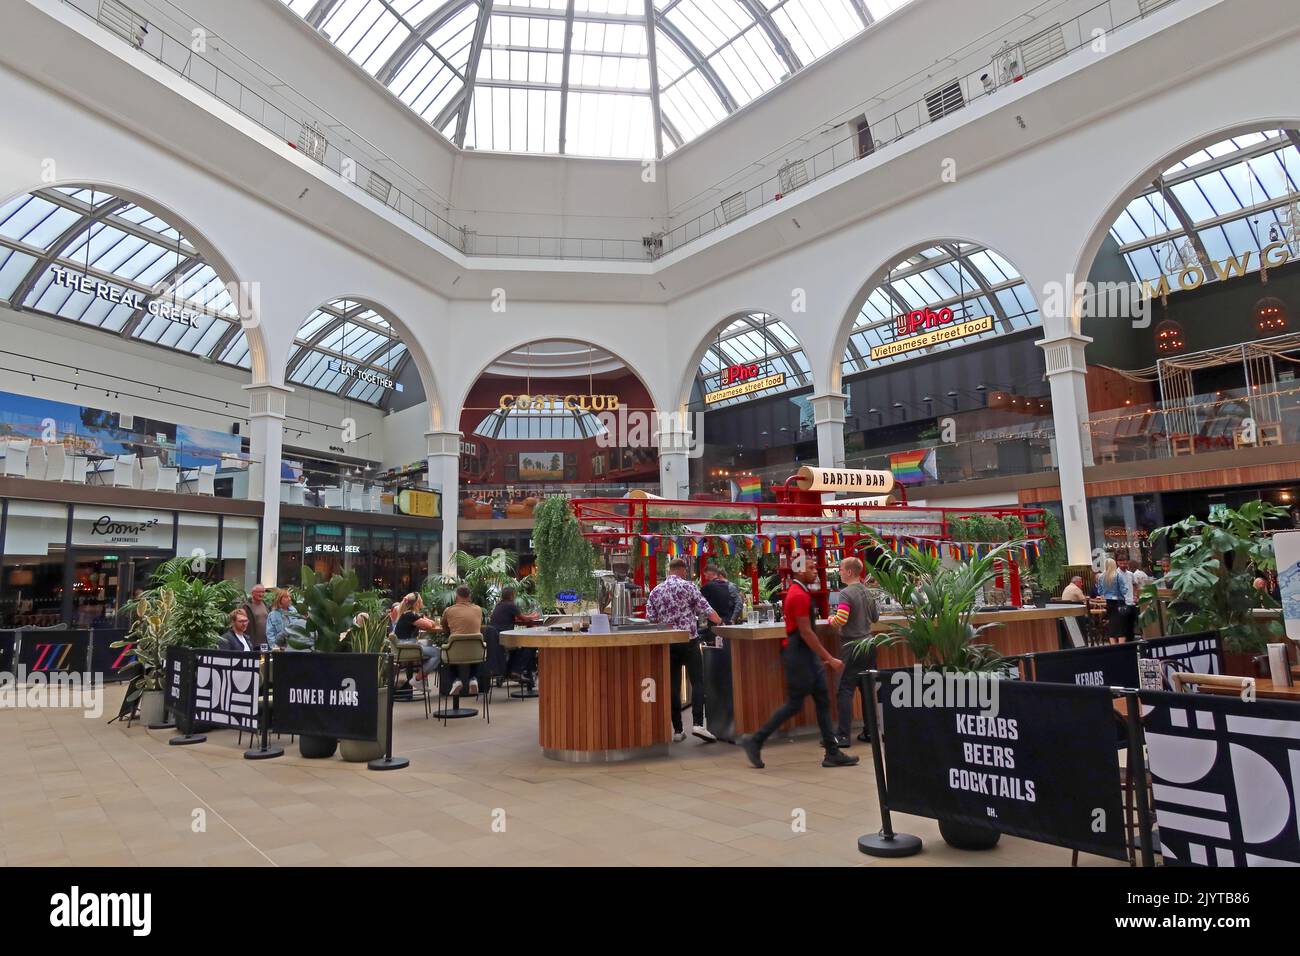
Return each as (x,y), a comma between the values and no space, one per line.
(463,617)
(237,636)
(1113,586)
(853,618)
(805,660)
(521,665)
(1073,592)
(676,603)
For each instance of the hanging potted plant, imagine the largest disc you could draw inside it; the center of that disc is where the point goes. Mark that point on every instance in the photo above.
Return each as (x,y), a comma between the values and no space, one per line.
(326,611)
(565,558)
(369,635)
(937,604)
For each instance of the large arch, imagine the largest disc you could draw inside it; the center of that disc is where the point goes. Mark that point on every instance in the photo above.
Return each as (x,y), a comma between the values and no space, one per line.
(193,254)
(1173,152)
(780,341)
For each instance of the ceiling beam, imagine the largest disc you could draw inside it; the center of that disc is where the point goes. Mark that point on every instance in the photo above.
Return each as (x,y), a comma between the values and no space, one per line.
(419,36)
(1185,221)
(471,70)
(698,60)
(980,280)
(166,285)
(655,110)
(860,8)
(564,77)
(319,13)
(765,22)
(55,249)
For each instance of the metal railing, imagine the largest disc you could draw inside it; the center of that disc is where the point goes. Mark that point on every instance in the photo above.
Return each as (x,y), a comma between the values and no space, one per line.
(300,128)
(517,502)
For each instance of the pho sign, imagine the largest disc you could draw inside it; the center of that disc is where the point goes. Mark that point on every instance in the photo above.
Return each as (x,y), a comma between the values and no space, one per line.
(924,328)
(740,380)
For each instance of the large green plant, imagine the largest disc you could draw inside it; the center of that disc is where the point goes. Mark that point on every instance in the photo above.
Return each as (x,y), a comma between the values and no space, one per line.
(565,559)
(1212,567)
(201,611)
(732,565)
(152,635)
(326,610)
(1049,566)
(938,603)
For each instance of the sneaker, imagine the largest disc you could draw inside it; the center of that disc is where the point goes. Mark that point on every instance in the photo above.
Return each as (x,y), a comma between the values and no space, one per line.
(754,751)
(473,687)
(703,734)
(455,689)
(679,736)
(864,737)
(843,743)
(838,758)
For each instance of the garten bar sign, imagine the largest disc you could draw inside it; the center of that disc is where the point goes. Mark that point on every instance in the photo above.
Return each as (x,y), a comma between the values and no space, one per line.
(737,380)
(844,479)
(924,328)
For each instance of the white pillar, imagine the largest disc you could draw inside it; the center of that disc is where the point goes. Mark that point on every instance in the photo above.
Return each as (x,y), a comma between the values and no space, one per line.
(674,445)
(1066,372)
(828,415)
(266,412)
(443,454)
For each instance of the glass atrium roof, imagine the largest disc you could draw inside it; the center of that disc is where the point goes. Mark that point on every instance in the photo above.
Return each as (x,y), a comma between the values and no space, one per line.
(967,278)
(1237,195)
(561,423)
(87,256)
(753,339)
(586,77)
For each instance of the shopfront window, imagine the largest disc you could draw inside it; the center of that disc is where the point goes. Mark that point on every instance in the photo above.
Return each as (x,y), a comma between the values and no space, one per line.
(239,550)
(323,549)
(383,571)
(356,553)
(31,591)
(288,570)
(409,561)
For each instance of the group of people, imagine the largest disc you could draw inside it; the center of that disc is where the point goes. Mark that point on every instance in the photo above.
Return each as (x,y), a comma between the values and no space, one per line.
(1119,584)
(809,666)
(255,625)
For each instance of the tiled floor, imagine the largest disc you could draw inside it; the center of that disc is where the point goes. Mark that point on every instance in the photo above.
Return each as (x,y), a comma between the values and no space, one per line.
(82,792)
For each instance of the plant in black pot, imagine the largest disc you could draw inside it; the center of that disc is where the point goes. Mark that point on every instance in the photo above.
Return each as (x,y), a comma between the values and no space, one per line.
(369,635)
(326,612)
(938,601)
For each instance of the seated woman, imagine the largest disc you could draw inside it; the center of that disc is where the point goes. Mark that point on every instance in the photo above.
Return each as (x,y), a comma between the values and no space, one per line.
(411,624)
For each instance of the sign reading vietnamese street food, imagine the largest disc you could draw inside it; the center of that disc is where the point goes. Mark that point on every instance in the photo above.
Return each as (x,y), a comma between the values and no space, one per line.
(575,403)
(746,385)
(844,479)
(924,328)
(163,309)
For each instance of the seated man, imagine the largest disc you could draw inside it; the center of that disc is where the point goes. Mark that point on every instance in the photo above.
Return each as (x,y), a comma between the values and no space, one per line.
(522,662)
(463,617)
(237,637)
(1073,593)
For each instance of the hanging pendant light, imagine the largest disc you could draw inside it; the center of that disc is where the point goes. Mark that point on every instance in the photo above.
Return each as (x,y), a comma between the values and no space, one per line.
(1270,315)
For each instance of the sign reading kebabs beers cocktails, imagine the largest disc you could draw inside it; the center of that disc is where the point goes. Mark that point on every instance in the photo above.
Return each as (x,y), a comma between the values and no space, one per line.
(879,483)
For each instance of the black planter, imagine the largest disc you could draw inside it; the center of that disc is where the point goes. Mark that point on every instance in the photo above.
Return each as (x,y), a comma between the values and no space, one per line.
(967,836)
(316,748)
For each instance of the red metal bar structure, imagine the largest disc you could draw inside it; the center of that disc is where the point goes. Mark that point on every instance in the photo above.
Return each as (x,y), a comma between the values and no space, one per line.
(620,525)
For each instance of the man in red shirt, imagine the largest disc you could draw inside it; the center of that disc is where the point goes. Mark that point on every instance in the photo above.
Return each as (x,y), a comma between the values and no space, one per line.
(806,661)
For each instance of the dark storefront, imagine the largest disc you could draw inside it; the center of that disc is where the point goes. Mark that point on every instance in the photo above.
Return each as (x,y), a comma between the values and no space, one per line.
(395,560)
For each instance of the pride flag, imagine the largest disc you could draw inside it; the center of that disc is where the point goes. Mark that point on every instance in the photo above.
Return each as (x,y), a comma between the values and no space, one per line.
(722,545)
(746,488)
(913,467)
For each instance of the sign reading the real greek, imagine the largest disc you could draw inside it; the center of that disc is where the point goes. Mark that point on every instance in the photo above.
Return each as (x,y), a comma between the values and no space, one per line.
(84,284)
(1031,760)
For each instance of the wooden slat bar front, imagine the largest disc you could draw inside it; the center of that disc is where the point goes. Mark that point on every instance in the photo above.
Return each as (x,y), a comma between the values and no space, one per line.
(758,681)
(591,690)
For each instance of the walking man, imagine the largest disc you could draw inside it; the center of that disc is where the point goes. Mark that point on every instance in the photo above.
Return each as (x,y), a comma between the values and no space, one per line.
(854,617)
(806,661)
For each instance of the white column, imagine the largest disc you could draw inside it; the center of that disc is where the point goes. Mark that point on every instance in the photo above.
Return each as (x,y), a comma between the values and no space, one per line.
(266,412)
(674,445)
(828,415)
(443,454)
(1066,371)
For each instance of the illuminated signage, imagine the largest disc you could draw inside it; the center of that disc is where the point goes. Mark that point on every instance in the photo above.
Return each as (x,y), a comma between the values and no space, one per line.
(163,309)
(575,403)
(367,375)
(332,549)
(423,504)
(745,388)
(940,328)
(738,373)
(809,478)
(1194,276)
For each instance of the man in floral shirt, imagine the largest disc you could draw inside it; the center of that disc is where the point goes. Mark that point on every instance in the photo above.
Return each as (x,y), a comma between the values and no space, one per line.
(676,604)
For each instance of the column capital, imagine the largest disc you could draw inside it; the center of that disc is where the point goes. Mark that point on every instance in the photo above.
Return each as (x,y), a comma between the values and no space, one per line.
(442,443)
(267,400)
(1065,353)
(828,407)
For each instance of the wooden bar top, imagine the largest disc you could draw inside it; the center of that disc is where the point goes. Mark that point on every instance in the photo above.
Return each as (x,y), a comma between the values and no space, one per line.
(771,632)
(544,637)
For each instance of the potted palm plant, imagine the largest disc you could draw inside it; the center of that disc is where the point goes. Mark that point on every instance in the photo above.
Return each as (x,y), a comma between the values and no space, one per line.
(369,635)
(326,611)
(938,602)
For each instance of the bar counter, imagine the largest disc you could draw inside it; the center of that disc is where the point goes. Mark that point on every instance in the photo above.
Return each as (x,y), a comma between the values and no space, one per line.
(758,681)
(591,692)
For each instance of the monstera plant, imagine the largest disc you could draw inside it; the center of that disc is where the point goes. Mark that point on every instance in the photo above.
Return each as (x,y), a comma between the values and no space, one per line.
(326,610)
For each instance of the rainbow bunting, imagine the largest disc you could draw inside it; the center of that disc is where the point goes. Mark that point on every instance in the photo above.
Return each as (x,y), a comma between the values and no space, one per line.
(669,545)
(723,545)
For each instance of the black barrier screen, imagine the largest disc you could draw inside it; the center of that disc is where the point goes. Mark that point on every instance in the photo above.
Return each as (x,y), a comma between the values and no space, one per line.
(179,687)
(325,695)
(1226,778)
(7,643)
(1042,764)
(1108,665)
(1200,652)
(225,688)
(62,651)
(109,661)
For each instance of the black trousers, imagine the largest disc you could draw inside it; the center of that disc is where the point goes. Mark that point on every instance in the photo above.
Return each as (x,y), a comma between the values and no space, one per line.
(686,655)
(804,675)
(522,660)
(850,682)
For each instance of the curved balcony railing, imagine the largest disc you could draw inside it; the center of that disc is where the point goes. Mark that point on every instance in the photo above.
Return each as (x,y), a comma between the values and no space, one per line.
(302,128)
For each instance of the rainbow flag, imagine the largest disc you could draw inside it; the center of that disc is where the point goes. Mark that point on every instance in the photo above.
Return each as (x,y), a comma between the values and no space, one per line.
(669,546)
(913,467)
(722,545)
(747,488)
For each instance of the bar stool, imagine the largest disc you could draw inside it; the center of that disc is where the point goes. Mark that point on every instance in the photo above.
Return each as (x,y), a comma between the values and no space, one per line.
(464,649)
